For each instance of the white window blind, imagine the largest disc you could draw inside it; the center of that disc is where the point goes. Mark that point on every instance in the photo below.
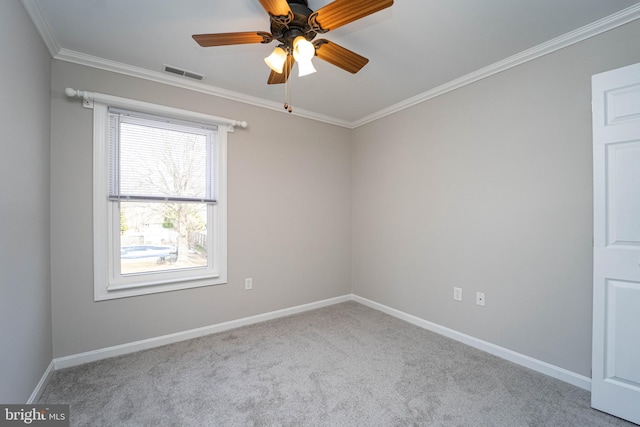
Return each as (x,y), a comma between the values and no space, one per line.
(155,159)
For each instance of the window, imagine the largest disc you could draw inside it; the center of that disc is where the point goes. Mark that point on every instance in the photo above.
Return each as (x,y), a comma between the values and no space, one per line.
(159,201)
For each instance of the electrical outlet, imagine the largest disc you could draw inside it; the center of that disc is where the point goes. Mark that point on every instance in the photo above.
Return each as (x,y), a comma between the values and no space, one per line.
(457,294)
(480,298)
(248,284)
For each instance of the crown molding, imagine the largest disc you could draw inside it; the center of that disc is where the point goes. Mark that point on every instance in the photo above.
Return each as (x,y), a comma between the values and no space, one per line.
(598,27)
(608,23)
(41,24)
(156,76)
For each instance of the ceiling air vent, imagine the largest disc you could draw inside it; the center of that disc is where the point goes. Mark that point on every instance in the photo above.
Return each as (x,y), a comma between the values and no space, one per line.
(184,73)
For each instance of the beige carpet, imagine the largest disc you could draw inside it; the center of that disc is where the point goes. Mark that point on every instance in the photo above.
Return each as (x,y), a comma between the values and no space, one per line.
(344,365)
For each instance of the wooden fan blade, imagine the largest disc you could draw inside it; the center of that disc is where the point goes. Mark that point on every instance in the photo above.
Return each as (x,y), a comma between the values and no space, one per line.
(277,8)
(341,12)
(339,56)
(276,79)
(224,39)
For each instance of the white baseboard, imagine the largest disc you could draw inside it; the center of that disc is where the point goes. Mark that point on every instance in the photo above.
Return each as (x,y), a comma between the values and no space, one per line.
(118,350)
(37,392)
(512,356)
(132,347)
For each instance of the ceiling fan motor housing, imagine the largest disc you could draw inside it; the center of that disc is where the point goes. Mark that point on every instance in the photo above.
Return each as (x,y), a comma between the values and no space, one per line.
(298,26)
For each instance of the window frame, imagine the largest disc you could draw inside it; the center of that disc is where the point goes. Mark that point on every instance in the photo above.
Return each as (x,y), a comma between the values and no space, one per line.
(106,213)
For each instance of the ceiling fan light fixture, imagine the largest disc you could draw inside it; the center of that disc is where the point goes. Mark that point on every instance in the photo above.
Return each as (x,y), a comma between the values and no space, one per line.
(276,60)
(295,25)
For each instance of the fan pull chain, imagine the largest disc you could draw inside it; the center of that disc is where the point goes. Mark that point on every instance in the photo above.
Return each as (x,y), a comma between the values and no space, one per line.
(287,94)
(289,109)
(286,87)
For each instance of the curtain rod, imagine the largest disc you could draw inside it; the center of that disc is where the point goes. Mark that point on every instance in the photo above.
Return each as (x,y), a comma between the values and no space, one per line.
(115,101)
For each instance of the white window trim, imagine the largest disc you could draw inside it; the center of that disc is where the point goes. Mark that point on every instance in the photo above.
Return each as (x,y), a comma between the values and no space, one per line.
(105,287)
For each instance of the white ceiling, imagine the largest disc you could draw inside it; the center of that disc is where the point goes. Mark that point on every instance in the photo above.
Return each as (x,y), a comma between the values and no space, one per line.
(416,47)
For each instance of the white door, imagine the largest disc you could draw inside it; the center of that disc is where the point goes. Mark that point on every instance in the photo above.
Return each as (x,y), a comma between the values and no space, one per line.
(615,386)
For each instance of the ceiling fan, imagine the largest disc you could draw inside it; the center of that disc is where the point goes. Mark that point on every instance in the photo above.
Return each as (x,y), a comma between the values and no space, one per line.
(294,25)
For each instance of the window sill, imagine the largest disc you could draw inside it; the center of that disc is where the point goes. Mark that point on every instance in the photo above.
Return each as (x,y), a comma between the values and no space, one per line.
(126,291)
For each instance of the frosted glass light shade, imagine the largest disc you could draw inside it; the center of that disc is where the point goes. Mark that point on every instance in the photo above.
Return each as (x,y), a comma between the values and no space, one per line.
(276,60)
(303,49)
(305,67)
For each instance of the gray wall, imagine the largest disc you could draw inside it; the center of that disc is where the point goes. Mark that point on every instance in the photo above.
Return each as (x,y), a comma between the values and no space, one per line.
(25,304)
(289,197)
(489,188)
